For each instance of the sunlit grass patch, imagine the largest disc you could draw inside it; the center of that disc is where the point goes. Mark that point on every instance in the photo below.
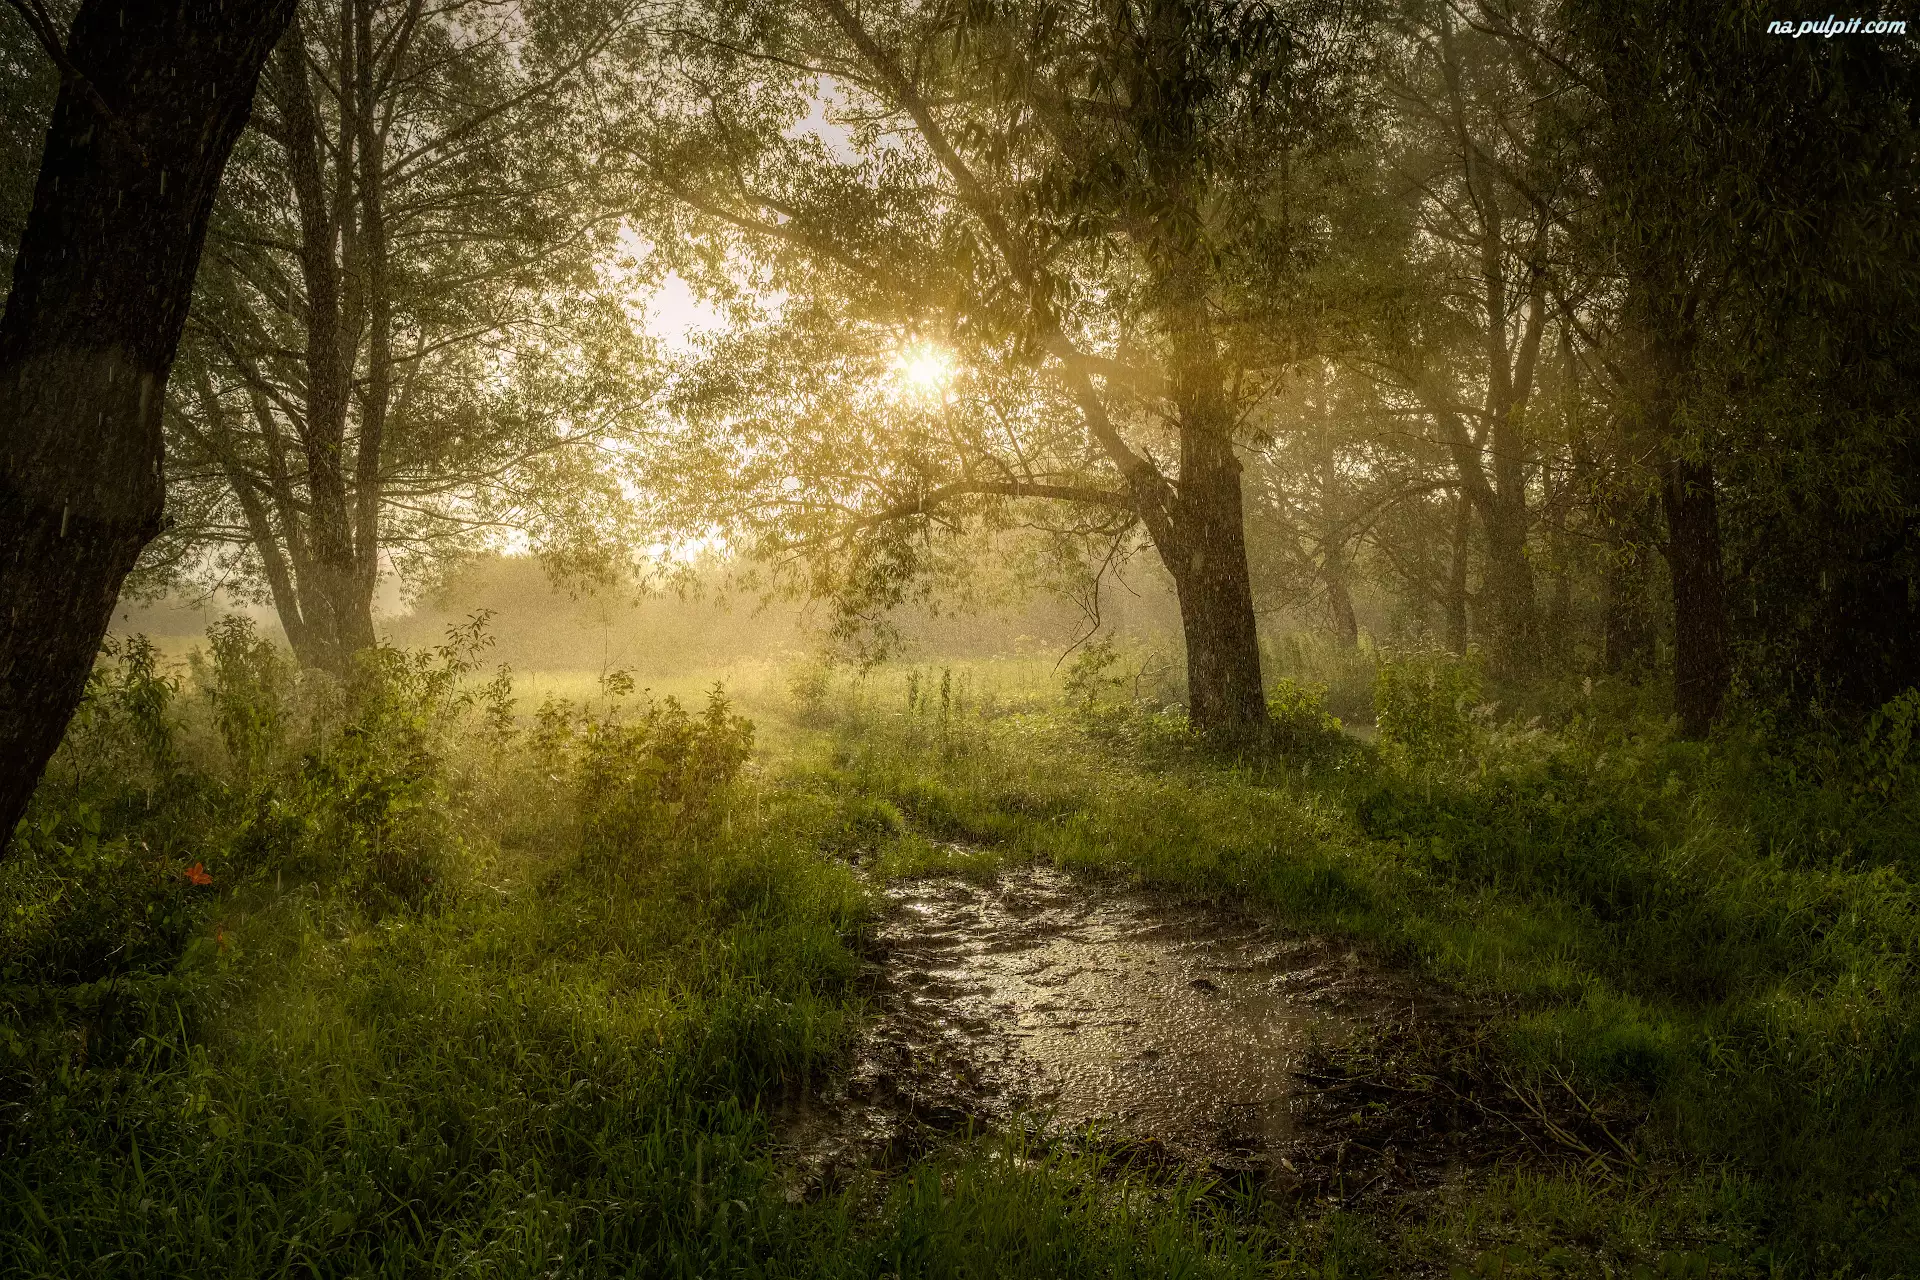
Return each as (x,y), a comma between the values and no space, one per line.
(569,1059)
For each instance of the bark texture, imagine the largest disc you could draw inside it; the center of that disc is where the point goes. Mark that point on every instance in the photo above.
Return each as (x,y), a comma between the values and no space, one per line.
(1209,567)
(1207,551)
(152,99)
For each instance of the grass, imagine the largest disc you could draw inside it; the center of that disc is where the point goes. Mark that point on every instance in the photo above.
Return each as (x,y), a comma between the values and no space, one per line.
(475,995)
(1643,912)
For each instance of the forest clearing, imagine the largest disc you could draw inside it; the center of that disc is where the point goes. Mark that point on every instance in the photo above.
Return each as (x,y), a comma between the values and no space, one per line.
(591,990)
(959,638)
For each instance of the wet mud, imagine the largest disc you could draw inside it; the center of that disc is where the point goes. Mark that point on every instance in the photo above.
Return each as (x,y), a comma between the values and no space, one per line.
(1177,1034)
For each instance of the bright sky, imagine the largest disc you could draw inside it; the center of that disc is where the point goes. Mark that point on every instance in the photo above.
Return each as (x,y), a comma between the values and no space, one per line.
(676,317)
(827,94)
(673,314)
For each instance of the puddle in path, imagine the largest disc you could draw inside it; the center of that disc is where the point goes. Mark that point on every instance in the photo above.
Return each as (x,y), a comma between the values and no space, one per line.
(1170,1026)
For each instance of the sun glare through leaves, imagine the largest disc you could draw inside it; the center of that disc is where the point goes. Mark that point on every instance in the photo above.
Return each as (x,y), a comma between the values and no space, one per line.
(923,371)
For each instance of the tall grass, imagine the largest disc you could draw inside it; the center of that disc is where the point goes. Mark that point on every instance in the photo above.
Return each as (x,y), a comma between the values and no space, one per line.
(396,976)
(1722,936)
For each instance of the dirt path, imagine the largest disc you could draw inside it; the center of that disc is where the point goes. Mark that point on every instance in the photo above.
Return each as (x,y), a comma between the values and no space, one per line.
(1173,1030)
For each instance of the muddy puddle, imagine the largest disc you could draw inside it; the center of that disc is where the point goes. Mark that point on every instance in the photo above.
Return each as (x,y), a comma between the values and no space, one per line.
(1165,1029)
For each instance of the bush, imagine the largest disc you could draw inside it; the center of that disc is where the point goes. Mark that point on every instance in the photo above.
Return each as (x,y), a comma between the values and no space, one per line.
(96,884)
(365,807)
(662,771)
(249,685)
(1345,672)
(809,686)
(1299,716)
(1424,704)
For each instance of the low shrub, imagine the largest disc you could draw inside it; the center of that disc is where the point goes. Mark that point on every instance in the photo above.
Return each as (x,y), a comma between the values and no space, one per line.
(1424,705)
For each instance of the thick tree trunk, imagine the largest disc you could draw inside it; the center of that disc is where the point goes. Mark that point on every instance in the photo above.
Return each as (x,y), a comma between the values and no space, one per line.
(1510,591)
(1209,567)
(1207,550)
(1700,665)
(150,105)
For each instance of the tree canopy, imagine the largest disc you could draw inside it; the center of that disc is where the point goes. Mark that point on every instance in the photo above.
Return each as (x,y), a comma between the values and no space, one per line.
(1575,332)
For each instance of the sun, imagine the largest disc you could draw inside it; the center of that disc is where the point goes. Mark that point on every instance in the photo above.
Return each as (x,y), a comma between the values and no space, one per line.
(923,370)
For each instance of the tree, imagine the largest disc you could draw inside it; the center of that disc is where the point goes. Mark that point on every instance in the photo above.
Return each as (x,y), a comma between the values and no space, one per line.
(1473,154)
(151,100)
(399,335)
(1743,326)
(1096,193)
(29,81)
(1339,490)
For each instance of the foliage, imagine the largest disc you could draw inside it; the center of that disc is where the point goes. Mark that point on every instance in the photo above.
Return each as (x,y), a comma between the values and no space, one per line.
(1672,926)
(1345,673)
(638,942)
(562,1066)
(1424,705)
(95,883)
(1299,714)
(250,684)
(1091,678)
(403,335)
(639,778)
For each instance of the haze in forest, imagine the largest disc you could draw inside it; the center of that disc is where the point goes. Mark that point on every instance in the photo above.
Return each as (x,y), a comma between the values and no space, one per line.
(954,638)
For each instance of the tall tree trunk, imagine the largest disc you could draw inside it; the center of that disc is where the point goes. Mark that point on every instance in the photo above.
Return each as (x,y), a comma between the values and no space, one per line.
(1497,486)
(301,607)
(1209,566)
(339,629)
(1208,557)
(1700,665)
(151,102)
(1510,591)
(378,392)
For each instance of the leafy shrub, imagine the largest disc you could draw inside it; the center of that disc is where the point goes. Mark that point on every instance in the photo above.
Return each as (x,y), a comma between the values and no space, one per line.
(1299,716)
(96,874)
(1889,754)
(1345,672)
(1424,703)
(1833,793)
(250,688)
(365,808)
(1123,696)
(633,778)
(101,890)
(638,779)
(1094,681)
(809,686)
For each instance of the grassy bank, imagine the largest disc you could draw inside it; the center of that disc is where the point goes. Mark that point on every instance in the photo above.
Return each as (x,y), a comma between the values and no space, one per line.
(1722,937)
(401,978)
(428,973)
